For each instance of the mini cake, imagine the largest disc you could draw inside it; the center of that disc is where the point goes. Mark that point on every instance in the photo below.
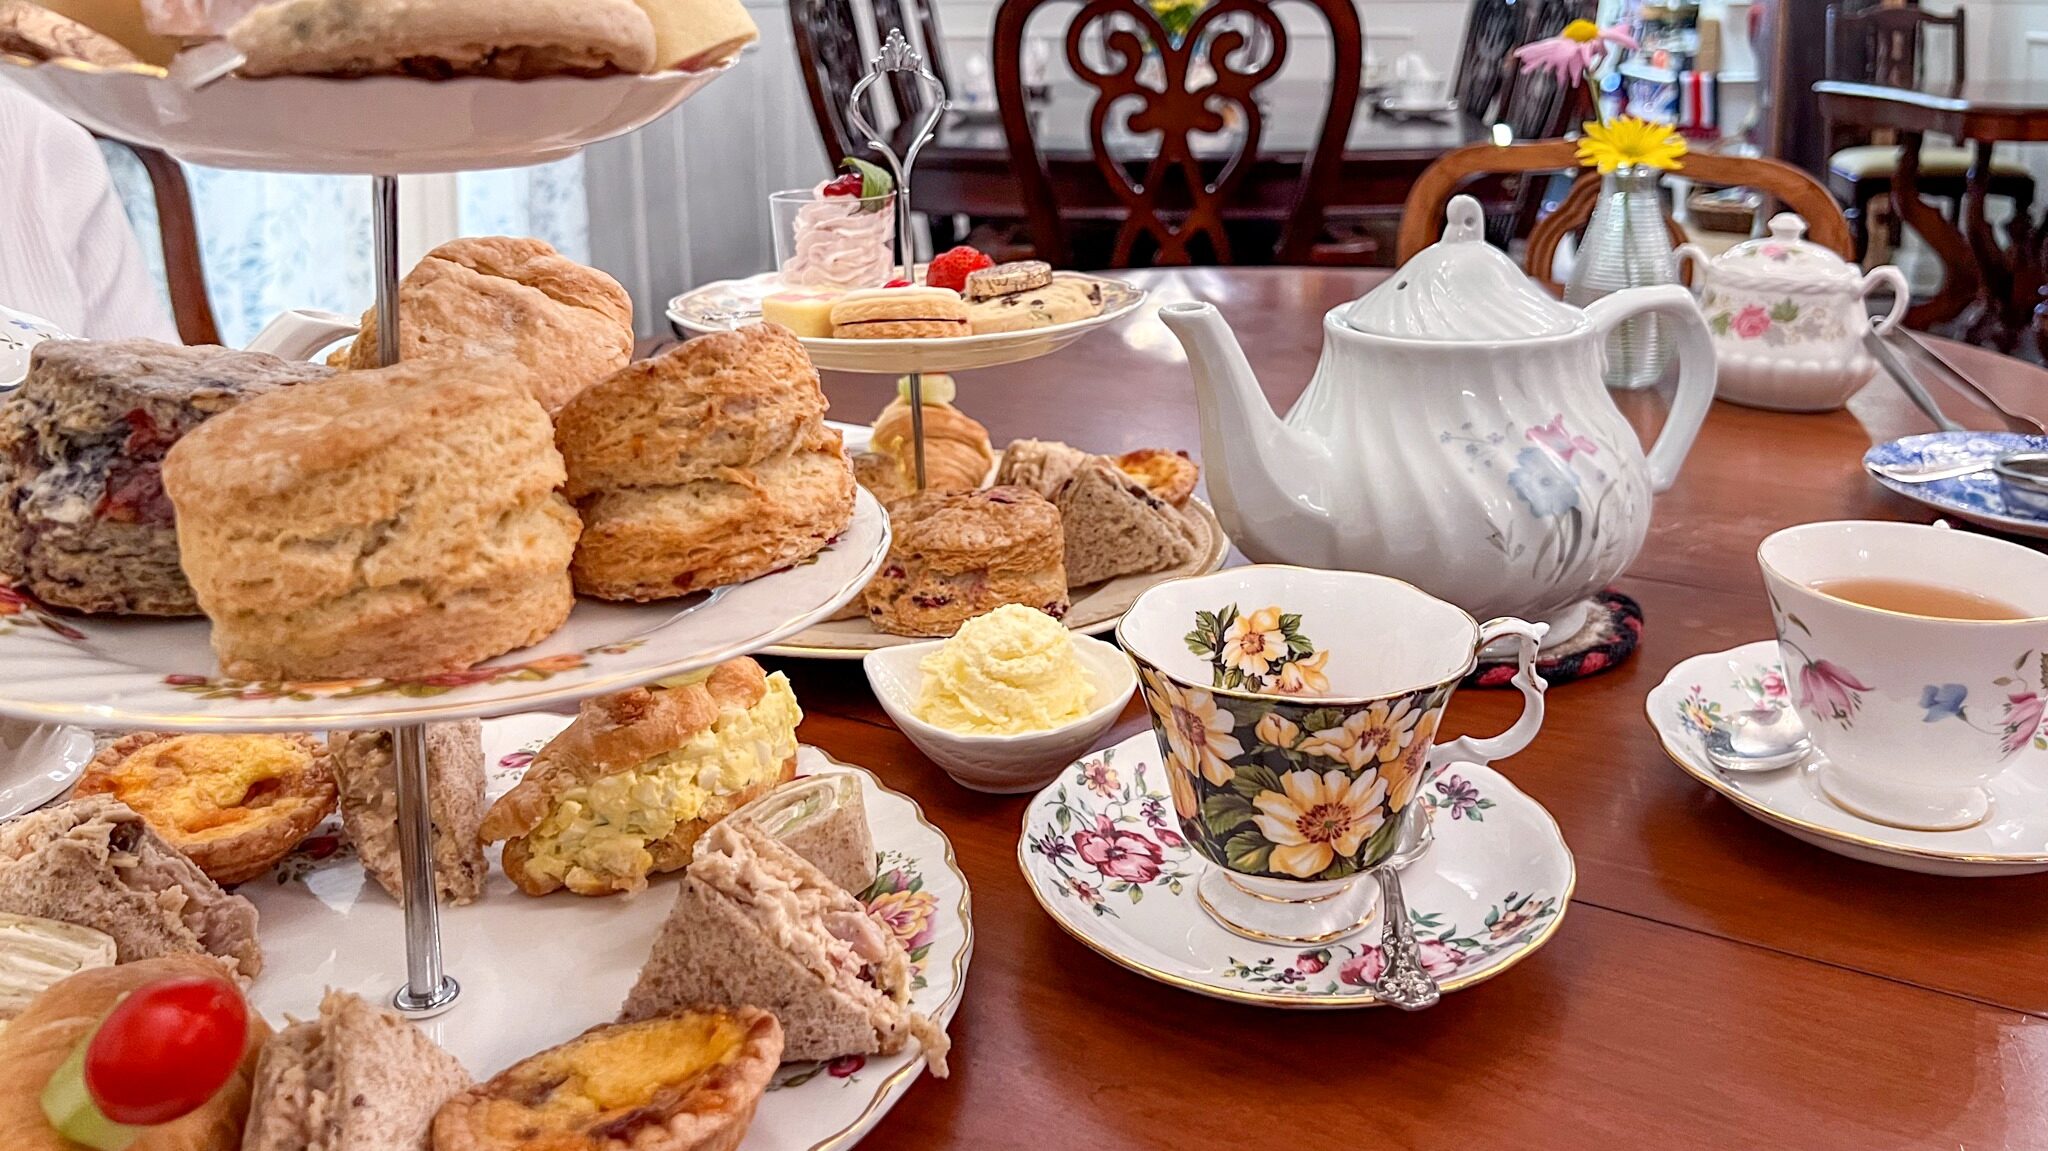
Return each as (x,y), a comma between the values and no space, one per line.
(956,555)
(395,523)
(899,314)
(706,466)
(83,519)
(502,296)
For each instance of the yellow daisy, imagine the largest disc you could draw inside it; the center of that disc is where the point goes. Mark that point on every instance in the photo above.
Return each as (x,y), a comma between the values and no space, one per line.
(1629,142)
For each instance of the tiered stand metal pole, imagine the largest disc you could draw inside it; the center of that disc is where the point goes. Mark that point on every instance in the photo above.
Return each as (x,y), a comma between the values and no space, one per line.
(898,56)
(428,989)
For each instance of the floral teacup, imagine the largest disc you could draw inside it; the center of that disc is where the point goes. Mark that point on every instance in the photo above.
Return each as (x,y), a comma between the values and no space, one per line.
(1295,711)
(1914,713)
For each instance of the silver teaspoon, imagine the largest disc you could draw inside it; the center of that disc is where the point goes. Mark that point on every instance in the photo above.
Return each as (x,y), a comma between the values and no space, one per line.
(1766,737)
(1403,982)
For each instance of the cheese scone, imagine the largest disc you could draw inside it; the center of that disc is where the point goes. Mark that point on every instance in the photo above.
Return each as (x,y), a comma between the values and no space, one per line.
(628,787)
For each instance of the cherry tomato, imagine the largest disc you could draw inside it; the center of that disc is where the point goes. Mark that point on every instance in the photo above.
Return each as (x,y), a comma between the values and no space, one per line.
(164,1050)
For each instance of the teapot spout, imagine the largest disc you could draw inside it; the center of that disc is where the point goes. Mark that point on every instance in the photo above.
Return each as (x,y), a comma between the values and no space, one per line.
(1246,448)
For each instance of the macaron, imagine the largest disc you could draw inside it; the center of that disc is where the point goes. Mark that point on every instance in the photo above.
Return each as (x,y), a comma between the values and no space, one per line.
(899,314)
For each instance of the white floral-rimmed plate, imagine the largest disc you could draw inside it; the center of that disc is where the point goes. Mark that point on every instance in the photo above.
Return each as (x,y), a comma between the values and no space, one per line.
(107,671)
(388,124)
(2013,841)
(727,304)
(1101,852)
(535,972)
(37,762)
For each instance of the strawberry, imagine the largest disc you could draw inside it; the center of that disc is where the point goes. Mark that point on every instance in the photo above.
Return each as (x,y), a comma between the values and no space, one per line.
(898,282)
(949,269)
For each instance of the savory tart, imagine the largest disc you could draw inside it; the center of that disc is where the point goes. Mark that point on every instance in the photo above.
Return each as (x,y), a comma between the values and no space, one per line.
(234,804)
(682,1082)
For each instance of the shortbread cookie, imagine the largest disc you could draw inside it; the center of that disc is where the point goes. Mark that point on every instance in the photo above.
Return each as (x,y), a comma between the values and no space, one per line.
(899,314)
(1060,302)
(1003,279)
(956,555)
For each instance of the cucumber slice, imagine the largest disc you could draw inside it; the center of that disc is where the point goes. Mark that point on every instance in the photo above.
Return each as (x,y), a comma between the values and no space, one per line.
(70,1109)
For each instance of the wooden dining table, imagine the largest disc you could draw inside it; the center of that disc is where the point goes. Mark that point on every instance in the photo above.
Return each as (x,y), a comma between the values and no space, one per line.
(1715,984)
(2006,280)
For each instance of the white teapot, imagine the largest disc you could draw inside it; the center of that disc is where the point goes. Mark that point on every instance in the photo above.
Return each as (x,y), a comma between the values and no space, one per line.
(1788,319)
(1456,435)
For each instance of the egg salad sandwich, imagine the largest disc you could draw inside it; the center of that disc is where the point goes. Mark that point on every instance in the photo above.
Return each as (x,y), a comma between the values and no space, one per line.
(357,1078)
(626,789)
(755,923)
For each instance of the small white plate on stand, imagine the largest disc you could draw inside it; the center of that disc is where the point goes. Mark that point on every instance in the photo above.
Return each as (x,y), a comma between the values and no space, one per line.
(1491,890)
(2012,841)
(537,971)
(727,304)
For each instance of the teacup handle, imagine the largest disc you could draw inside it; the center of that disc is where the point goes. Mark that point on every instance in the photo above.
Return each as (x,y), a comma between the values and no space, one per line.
(1483,751)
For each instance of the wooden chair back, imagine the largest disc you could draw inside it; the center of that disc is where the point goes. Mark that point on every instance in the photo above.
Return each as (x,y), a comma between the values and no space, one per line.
(1422,217)
(1174,211)
(178,231)
(830,52)
(1887,45)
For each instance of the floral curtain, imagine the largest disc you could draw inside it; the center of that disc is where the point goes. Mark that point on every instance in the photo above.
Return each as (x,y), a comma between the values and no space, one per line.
(272,241)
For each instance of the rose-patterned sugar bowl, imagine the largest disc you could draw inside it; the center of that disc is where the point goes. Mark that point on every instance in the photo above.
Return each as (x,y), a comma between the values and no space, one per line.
(1296,711)
(1456,434)
(1788,318)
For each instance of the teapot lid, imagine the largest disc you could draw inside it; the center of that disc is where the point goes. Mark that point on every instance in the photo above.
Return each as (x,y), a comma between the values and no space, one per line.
(1462,288)
(1785,259)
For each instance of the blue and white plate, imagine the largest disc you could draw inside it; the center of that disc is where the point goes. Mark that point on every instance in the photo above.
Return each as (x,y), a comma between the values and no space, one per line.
(1975,497)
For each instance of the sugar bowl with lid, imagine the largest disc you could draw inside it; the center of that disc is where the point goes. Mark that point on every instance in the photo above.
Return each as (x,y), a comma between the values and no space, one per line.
(1788,319)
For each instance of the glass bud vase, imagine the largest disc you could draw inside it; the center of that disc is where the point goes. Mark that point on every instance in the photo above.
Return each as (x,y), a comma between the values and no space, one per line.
(1626,245)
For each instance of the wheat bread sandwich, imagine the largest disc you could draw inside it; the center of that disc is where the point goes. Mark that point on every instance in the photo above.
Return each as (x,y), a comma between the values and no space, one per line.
(357,1078)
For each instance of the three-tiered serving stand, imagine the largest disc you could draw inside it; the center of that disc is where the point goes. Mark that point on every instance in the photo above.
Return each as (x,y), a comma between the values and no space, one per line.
(155,674)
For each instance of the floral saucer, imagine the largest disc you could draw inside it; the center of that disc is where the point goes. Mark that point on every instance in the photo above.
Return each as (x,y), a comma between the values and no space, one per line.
(1976,497)
(1101,853)
(2013,841)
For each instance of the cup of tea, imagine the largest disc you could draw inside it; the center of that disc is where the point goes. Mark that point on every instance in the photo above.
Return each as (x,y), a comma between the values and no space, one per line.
(1918,659)
(1296,712)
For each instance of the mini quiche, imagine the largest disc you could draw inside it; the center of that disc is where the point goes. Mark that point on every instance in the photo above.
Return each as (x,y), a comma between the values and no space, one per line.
(682,1082)
(234,804)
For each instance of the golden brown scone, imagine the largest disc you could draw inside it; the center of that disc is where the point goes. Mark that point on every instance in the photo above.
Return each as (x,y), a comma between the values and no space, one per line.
(399,523)
(956,555)
(511,39)
(1169,476)
(41,1038)
(580,817)
(957,455)
(504,296)
(34,31)
(234,804)
(707,466)
(686,1081)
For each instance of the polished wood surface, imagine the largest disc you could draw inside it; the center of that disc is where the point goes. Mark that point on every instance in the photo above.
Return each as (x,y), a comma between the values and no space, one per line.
(1422,218)
(1172,211)
(2005,280)
(1715,985)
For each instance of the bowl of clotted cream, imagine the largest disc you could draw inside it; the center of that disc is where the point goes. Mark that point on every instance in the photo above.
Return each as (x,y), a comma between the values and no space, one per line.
(1006,702)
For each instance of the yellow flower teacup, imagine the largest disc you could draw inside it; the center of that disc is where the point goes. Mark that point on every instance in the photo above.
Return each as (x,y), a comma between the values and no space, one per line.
(1296,712)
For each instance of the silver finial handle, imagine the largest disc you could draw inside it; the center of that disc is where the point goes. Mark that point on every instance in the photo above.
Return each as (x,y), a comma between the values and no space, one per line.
(898,56)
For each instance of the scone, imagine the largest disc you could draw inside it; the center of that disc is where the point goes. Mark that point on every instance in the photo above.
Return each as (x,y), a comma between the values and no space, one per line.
(396,523)
(1060,302)
(694,34)
(502,296)
(1113,526)
(366,775)
(234,804)
(706,466)
(899,314)
(627,788)
(956,555)
(686,1081)
(510,39)
(84,523)
(957,454)
(1044,466)
(1169,475)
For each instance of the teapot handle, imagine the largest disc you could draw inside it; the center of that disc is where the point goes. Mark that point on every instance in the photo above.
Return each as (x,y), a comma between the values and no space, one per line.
(1901,296)
(1695,367)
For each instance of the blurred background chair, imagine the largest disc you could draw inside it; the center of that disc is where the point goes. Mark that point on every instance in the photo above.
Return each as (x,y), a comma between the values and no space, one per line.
(178,232)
